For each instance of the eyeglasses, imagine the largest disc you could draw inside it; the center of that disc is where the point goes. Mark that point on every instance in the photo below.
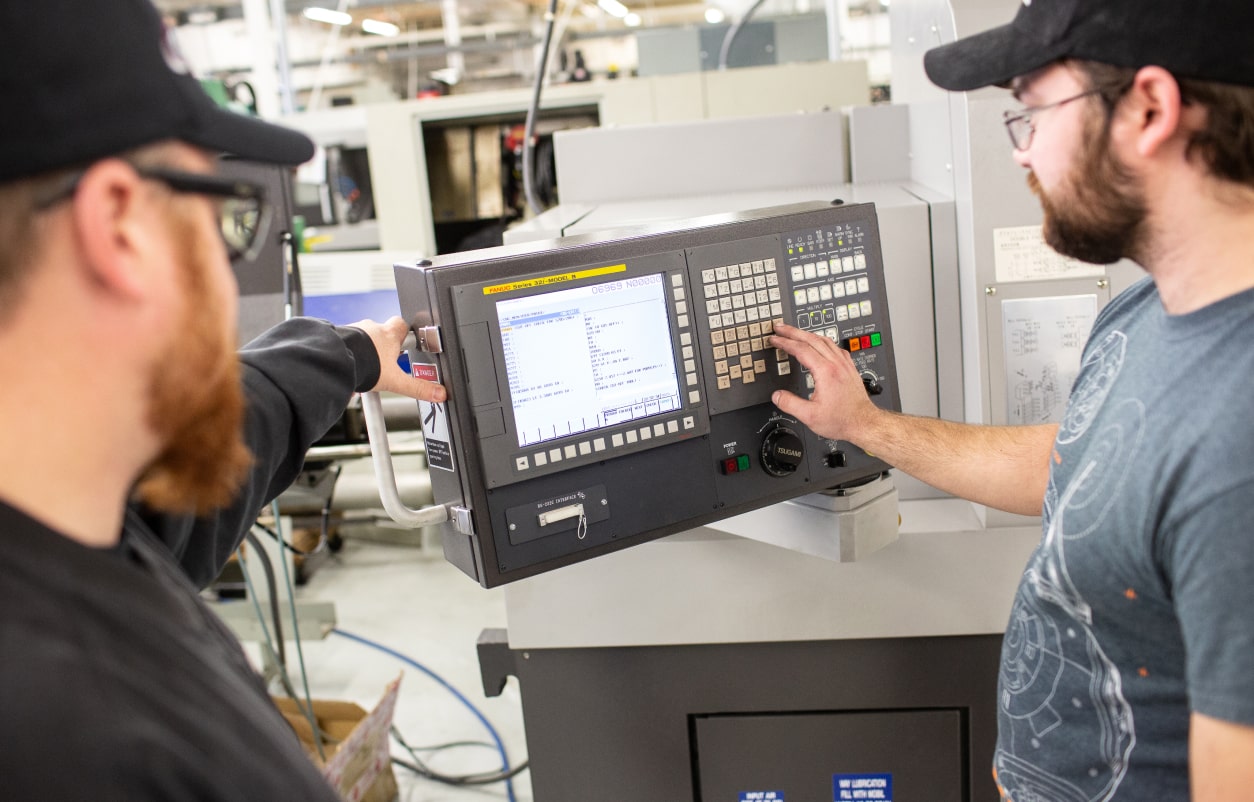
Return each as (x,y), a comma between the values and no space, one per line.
(1019,123)
(243,214)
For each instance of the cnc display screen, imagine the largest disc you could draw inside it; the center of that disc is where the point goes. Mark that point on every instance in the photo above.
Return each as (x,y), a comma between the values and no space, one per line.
(588,357)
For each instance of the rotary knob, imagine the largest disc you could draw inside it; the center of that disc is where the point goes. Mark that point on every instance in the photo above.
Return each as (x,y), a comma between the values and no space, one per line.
(782,451)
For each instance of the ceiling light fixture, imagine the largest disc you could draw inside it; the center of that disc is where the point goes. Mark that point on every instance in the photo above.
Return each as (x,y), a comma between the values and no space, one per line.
(328,16)
(379,27)
(614,8)
(632,20)
(714,15)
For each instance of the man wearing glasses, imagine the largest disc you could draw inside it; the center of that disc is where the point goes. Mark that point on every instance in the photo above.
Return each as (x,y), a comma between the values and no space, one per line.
(138,446)
(1128,665)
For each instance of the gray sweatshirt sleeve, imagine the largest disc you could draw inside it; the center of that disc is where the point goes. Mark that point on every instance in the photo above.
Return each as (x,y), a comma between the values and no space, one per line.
(298,378)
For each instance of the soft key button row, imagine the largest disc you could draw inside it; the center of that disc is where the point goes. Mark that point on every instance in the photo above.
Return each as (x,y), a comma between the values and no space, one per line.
(597,445)
(681,300)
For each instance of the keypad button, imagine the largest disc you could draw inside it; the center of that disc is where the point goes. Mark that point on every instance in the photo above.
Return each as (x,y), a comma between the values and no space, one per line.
(812,295)
(798,297)
(784,368)
(689,422)
(677,280)
(751,314)
(720,366)
(682,321)
(866,308)
(716,337)
(746,362)
(555,455)
(521,463)
(541,459)
(777,309)
(724,288)
(772,280)
(720,352)
(679,293)
(707,276)
(847,263)
(759,366)
(735,285)
(755,329)
(823,270)
(694,397)
(729,319)
(659,429)
(859,261)
(851,287)
(742,332)
(768,326)
(825,292)
(720,273)
(617,440)
(681,307)
(715,321)
(855,311)
(598,444)
(711,290)
(690,364)
(798,273)
(631,436)
(748,377)
(733,271)
(864,284)
(842,314)
(685,338)
(755,344)
(810,270)
(645,434)
(738,316)
(759,282)
(585,448)
(733,349)
(735,372)
(838,290)
(672,426)
(835,263)
(724,382)
(738,302)
(570,451)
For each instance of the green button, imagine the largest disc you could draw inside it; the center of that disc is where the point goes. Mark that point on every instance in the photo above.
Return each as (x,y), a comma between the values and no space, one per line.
(742,463)
(875,339)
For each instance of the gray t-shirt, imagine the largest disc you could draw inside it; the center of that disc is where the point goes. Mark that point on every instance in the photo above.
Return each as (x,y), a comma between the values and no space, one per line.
(1138,605)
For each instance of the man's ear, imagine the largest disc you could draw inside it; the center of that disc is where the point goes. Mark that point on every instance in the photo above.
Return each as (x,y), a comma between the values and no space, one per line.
(114,224)
(1154,109)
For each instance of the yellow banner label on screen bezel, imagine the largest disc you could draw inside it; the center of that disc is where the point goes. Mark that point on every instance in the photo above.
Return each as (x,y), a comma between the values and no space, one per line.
(557,278)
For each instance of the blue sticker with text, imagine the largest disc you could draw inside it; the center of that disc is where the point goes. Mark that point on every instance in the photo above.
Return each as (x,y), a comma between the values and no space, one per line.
(877,787)
(761,796)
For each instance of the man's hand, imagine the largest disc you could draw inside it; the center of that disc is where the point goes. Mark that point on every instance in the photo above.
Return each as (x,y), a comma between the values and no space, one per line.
(387,338)
(839,405)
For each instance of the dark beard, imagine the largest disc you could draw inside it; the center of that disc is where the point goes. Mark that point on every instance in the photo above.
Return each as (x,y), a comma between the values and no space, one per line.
(196,405)
(1099,216)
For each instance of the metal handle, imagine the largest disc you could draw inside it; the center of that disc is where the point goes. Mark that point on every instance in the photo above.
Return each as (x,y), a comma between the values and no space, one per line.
(381,456)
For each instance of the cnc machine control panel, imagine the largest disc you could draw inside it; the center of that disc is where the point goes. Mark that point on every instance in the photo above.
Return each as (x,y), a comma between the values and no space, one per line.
(604,392)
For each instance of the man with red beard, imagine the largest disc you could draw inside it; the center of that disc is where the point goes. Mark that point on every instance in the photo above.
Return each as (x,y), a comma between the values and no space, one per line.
(1128,665)
(138,447)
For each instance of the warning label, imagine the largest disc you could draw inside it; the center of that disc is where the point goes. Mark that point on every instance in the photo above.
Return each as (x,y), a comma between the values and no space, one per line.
(435,428)
(878,787)
(761,796)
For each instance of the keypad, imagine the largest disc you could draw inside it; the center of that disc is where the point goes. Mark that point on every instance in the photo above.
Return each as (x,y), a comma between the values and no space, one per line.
(742,311)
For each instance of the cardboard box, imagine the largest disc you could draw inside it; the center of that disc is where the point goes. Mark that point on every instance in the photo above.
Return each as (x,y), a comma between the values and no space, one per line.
(358,760)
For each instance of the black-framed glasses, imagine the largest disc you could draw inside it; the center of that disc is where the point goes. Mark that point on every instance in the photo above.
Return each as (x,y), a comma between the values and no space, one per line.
(1019,123)
(243,214)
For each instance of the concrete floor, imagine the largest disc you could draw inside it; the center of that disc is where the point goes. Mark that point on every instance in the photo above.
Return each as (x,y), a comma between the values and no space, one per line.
(411,601)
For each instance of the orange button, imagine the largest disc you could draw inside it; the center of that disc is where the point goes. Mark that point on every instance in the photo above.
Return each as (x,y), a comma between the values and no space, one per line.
(855,344)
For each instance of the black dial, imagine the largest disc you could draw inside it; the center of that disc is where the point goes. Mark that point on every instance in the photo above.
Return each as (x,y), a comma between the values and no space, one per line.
(782,451)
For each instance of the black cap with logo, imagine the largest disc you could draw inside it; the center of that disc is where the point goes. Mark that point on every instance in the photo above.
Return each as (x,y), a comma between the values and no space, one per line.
(81,81)
(1209,40)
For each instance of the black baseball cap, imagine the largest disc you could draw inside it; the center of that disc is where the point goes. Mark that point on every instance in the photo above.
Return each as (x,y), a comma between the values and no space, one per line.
(1209,40)
(80,81)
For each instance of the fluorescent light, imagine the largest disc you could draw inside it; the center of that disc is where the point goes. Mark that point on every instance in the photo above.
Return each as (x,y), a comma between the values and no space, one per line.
(632,20)
(328,16)
(379,27)
(614,8)
(714,15)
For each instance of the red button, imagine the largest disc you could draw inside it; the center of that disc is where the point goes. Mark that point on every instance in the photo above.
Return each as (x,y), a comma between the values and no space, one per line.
(729,465)
(866,342)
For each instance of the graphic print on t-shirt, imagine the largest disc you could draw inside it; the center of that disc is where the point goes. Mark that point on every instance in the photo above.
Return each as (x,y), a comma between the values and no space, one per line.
(1058,689)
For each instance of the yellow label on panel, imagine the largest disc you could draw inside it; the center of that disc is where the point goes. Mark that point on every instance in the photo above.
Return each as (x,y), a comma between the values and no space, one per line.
(560,278)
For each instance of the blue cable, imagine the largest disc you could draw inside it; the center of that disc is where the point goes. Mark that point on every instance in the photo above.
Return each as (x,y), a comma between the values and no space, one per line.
(496,738)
